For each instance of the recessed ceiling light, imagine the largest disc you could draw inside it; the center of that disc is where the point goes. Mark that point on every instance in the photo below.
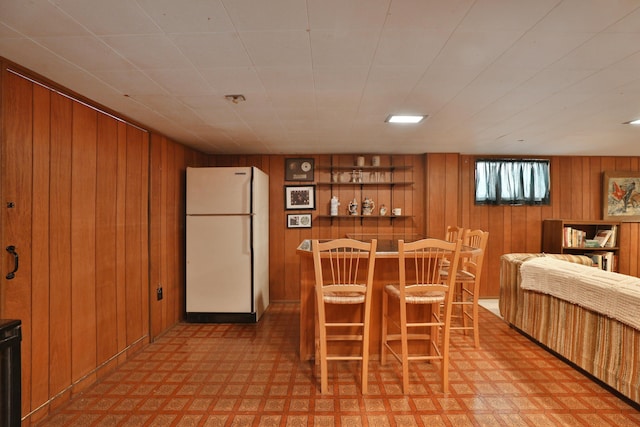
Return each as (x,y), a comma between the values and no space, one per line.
(398,118)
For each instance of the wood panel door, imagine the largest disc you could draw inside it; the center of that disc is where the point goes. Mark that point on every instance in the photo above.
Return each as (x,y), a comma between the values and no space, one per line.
(74,187)
(16,183)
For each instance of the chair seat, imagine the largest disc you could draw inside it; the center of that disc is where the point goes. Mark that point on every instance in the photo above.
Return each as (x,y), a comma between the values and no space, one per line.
(465,276)
(417,298)
(344,298)
(338,296)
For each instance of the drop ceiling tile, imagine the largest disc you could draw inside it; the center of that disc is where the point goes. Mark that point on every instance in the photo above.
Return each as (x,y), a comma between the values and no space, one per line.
(130,82)
(585,15)
(628,24)
(180,81)
(168,107)
(440,84)
(602,50)
(539,49)
(148,51)
(31,55)
(347,15)
(475,50)
(109,17)
(485,90)
(234,80)
(213,116)
(337,105)
(505,15)
(204,101)
(431,15)
(7,32)
(339,78)
(276,15)
(211,50)
(199,17)
(88,52)
(286,79)
(343,48)
(277,48)
(38,18)
(410,47)
(391,83)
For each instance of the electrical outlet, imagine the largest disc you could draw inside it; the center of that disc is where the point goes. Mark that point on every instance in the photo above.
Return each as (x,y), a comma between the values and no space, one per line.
(159,293)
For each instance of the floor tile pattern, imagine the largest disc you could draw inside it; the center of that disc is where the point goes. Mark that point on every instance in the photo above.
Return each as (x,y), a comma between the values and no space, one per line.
(249,375)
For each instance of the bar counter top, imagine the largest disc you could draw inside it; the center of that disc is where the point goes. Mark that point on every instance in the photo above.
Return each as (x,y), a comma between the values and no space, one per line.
(387,243)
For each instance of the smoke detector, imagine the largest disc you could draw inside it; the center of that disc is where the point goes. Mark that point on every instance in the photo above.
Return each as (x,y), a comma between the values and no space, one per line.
(236,99)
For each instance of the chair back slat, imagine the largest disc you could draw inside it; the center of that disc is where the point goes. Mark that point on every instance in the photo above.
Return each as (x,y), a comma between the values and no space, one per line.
(346,260)
(421,264)
(475,239)
(454,233)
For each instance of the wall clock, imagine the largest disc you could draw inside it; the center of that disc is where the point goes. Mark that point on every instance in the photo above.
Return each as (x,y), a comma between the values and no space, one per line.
(298,169)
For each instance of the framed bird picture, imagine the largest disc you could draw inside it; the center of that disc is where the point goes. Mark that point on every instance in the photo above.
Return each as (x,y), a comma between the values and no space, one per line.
(621,196)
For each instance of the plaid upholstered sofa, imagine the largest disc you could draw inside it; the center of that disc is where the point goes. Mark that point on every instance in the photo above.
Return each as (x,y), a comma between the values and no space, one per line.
(604,347)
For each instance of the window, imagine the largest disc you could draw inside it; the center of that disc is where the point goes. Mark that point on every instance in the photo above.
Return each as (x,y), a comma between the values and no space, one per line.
(512,182)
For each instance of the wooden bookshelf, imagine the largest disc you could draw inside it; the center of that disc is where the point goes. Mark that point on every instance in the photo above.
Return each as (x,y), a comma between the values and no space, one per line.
(555,239)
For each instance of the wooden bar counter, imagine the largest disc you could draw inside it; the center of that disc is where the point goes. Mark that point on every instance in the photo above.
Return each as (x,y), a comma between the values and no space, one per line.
(386,271)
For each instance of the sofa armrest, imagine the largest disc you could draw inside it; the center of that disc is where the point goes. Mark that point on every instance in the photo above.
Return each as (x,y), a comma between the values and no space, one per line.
(510,292)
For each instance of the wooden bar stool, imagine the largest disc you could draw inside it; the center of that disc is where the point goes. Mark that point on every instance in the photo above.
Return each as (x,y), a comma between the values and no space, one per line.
(344,276)
(467,284)
(454,233)
(420,283)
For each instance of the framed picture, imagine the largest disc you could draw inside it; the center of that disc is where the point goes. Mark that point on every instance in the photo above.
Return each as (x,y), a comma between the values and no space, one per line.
(298,169)
(298,220)
(621,196)
(300,197)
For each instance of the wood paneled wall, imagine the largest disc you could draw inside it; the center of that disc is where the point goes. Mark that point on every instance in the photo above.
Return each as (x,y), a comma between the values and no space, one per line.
(443,194)
(576,193)
(284,262)
(169,161)
(78,179)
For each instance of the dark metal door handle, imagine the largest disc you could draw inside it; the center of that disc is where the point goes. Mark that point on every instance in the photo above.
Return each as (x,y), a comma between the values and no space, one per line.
(12,250)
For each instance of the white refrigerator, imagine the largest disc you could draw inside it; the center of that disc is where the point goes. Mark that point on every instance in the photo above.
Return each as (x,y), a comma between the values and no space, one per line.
(227,248)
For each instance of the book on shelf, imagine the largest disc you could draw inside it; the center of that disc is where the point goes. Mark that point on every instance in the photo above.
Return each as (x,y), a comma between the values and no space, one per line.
(573,237)
(566,237)
(612,242)
(591,243)
(603,236)
(604,260)
(597,260)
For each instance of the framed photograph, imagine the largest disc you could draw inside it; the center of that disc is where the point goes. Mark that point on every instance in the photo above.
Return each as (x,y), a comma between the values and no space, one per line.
(298,220)
(298,169)
(621,196)
(300,197)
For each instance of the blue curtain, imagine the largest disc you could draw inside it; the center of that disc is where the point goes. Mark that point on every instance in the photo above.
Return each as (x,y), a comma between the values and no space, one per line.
(512,182)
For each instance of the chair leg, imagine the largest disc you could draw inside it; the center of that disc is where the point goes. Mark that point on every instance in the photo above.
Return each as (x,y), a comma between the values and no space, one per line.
(476,331)
(383,326)
(405,348)
(445,350)
(322,344)
(465,308)
(365,347)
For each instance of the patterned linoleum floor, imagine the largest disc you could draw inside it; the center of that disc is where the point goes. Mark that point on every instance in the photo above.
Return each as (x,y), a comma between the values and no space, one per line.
(250,375)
